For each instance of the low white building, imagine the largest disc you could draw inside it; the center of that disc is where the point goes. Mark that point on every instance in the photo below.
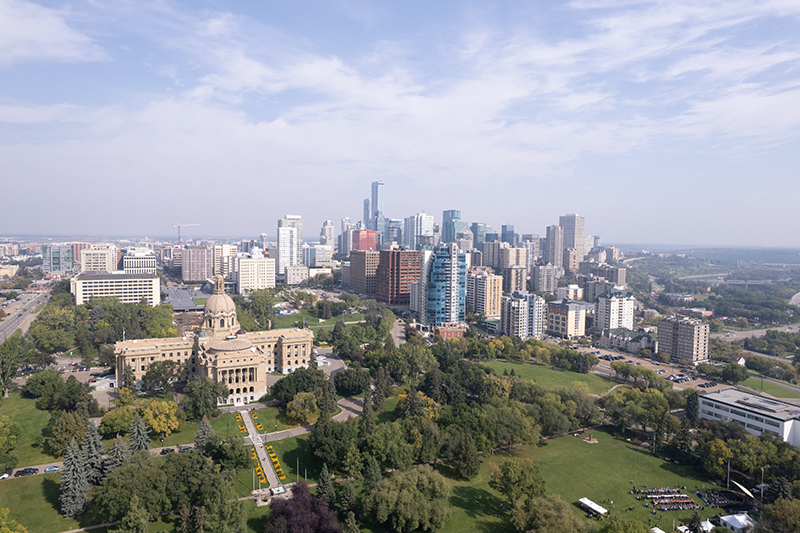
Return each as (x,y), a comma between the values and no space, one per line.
(738,523)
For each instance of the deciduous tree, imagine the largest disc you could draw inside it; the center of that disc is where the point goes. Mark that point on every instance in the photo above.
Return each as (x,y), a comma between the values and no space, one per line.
(9,432)
(410,501)
(162,416)
(200,397)
(546,513)
(517,478)
(303,408)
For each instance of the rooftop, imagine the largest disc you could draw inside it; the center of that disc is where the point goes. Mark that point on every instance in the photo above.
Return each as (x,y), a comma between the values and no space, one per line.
(770,407)
(103,276)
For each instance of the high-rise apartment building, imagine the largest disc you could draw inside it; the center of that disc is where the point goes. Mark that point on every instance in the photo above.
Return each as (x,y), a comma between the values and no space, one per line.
(223,255)
(523,315)
(252,274)
(363,269)
(397,270)
(483,292)
(566,319)
(197,263)
(451,223)
(346,237)
(296,222)
(515,278)
(573,233)
(592,289)
(57,259)
(286,249)
(99,259)
(139,262)
(554,253)
(545,278)
(570,292)
(570,261)
(418,231)
(614,309)
(684,339)
(326,234)
(441,291)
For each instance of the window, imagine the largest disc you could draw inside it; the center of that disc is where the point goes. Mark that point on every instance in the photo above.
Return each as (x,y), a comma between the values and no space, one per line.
(772,423)
(739,413)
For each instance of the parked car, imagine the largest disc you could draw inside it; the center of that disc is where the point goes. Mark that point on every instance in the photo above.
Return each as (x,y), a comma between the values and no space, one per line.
(165,451)
(52,469)
(5,474)
(26,472)
(182,449)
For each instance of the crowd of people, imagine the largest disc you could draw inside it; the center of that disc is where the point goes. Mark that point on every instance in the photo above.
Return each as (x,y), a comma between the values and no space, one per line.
(687,504)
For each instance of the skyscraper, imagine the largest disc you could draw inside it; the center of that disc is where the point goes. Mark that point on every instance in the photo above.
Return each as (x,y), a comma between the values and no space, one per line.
(377,215)
(296,222)
(397,270)
(326,234)
(478,235)
(287,249)
(367,213)
(451,223)
(555,246)
(346,237)
(264,241)
(574,233)
(417,228)
(507,234)
(441,290)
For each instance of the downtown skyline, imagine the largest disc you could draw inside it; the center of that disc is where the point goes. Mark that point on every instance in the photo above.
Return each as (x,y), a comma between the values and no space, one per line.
(659,123)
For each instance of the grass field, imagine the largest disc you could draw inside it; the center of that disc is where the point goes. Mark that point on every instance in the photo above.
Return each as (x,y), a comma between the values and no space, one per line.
(548,378)
(292,450)
(770,388)
(312,322)
(31,422)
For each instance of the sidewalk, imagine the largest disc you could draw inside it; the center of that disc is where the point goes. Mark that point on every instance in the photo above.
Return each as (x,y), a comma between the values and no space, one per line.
(261,452)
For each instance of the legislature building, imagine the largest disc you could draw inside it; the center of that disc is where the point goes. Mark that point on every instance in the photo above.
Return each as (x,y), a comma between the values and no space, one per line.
(222,351)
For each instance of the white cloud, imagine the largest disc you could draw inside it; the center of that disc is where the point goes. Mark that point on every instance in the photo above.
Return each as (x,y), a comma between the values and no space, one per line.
(29,32)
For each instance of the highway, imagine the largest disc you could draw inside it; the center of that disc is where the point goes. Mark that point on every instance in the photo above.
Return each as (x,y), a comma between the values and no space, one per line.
(20,314)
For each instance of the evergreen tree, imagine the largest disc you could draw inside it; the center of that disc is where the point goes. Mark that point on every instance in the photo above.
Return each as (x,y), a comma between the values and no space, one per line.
(692,409)
(372,473)
(203,435)
(328,398)
(93,449)
(74,485)
(779,488)
(128,379)
(695,523)
(465,457)
(367,422)
(140,440)
(412,405)
(353,463)
(347,499)
(325,491)
(116,456)
(136,521)
(350,524)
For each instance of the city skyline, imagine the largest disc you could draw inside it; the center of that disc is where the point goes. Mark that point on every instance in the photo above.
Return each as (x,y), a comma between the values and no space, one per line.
(658,123)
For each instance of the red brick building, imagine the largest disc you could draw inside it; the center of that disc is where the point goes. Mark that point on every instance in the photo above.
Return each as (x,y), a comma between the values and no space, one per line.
(397,270)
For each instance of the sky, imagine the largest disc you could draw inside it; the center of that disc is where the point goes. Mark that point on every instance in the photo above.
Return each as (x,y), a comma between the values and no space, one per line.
(659,121)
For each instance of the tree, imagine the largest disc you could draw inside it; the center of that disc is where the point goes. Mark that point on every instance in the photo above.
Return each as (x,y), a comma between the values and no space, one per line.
(782,516)
(464,456)
(325,490)
(9,526)
(301,514)
(35,385)
(692,410)
(303,408)
(515,478)
(546,513)
(137,520)
(412,500)
(200,397)
(68,426)
(353,463)
(327,403)
(734,373)
(350,524)
(623,525)
(141,475)
(93,449)
(388,444)
(367,420)
(351,382)
(161,416)
(159,375)
(74,484)
(117,421)
(140,440)
(128,379)
(203,435)
(372,473)
(15,352)
(301,380)
(116,456)
(9,432)
(347,499)
(779,489)
(715,455)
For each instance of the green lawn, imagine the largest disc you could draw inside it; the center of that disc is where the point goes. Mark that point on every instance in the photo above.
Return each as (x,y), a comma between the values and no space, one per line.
(548,378)
(770,388)
(200,301)
(289,451)
(287,321)
(31,422)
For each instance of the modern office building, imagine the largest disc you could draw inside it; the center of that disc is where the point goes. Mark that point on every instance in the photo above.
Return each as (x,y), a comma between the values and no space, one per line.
(253,273)
(98,259)
(263,241)
(223,255)
(451,224)
(554,252)
(378,219)
(363,269)
(483,292)
(574,236)
(240,360)
(317,255)
(364,239)
(478,235)
(57,258)
(296,222)
(127,288)
(441,291)
(684,339)
(197,263)
(464,238)
(758,414)
(566,319)
(394,231)
(614,309)
(297,274)
(287,255)
(397,270)
(139,262)
(507,234)
(545,278)
(346,237)
(326,234)
(418,231)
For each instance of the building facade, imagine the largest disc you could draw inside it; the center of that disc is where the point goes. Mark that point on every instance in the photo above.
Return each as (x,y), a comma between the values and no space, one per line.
(545,278)
(139,263)
(418,231)
(127,288)
(253,273)
(566,319)
(397,270)
(451,223)
(614,309)
(286,250)
(57,259)
(574,235)
(296,222)
(441,291)
(98,260)
(554,251)
(365,239)
(514,317)
(684,339)
(484,292)
(197,263)
(363,269)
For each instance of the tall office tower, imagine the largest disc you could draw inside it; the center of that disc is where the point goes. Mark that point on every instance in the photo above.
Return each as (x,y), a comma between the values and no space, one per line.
(264,241)
(514,317)
(492,251)
(573,233)
(99,259)
(378,216)
(197,263)
(345,237)
(363,268)
(418,231)
(246,245)
(570,261)
(397,270)
(566,319)
(441,290)
(57,258)
(534,253)
(464,238)
(588,244)
(483,292)
(367,213)
(222,255)
(326,233)
(394,231)
(554,253)
(475,258)
(296,222)
(451,223)
(287,249)
(491,236)
(252,274)
(478,235)
(76,249)
(614,310)
(545,278)
(507,234)
(364,239)
(684,339)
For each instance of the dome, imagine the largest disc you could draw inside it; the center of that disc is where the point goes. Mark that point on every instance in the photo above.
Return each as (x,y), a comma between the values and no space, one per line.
(219,302)
(202,334)
(230,345)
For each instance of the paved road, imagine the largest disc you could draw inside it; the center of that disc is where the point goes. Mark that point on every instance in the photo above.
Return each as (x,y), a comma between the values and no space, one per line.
(21,314)
(795,299)
(399,332)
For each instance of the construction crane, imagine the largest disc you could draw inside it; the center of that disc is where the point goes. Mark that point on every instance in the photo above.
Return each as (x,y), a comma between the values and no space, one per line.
(179,226)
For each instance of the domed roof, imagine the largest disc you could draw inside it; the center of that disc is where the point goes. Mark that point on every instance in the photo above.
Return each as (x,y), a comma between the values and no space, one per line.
(230,345)
(219,302)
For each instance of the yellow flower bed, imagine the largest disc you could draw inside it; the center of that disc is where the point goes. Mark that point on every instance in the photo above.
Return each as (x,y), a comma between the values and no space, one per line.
(254,415)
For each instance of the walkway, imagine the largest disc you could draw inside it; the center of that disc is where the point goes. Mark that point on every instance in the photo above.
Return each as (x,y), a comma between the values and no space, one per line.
(263,458)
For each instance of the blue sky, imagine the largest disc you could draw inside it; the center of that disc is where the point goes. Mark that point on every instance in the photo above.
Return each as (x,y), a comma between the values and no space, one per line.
(659,121)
